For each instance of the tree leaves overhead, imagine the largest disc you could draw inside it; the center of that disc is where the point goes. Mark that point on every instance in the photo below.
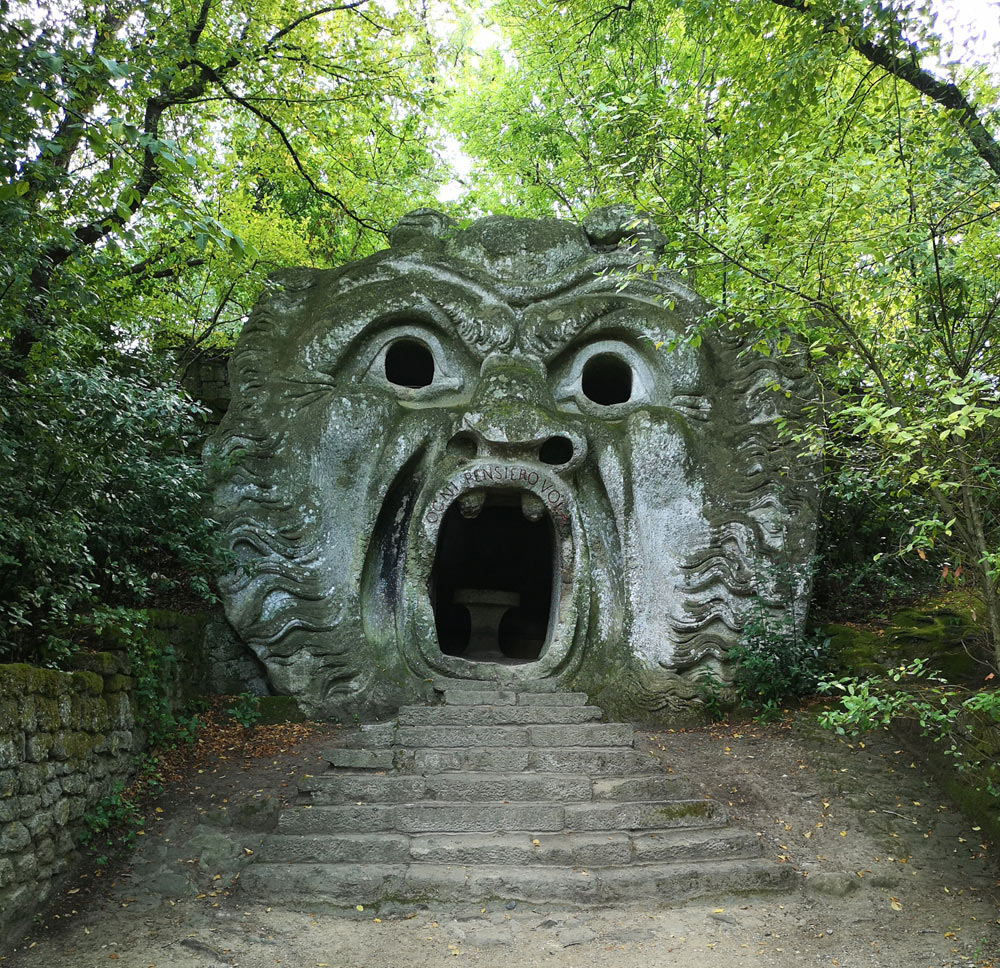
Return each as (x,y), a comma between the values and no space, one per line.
(157,160)
(131,125)
(823,168)
(817,165)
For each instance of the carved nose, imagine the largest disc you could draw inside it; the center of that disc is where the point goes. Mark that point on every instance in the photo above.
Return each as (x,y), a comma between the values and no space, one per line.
(560,451)
(512,416)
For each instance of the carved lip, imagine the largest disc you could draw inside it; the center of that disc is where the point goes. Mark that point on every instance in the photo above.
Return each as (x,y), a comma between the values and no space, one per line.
(495,579)
(496,475)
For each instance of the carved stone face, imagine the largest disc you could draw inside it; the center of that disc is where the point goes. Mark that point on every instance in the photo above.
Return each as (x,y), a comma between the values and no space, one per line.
(471,456)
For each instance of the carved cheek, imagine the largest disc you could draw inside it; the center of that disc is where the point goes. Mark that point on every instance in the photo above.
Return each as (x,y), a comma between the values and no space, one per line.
(666,521)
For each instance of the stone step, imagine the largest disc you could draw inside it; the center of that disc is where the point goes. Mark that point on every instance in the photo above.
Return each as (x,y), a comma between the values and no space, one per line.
(599,849)
(459,787)
(373,736)
(640,815)
(502,792)
(423,817)
(531,816)
(458,696)
(335,848)
(479,697)
(487,715)
(334,788)
(314,885)
(505,737)
(685,844)
(540,687)
(591,849)
(359,788)
(360,759)
(664,786)
(595,762)
(551,698)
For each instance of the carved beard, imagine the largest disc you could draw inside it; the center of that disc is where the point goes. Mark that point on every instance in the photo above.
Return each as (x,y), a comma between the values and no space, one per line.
(419,443)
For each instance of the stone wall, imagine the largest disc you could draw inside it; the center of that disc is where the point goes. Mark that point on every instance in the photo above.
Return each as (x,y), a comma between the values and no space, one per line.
(206,378)
(64,739)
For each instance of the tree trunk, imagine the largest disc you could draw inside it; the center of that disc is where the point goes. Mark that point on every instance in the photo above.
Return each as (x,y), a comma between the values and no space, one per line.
(987,582)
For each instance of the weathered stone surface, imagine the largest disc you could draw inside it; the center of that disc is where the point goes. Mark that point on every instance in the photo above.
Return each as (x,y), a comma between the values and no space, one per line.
(11,750)
(55,751)
(29,778)
(215,851)
(447,830)
(499,715)
(258,815)
(382,848)
(832,883)
(471,457)
(360,759)
(13,836)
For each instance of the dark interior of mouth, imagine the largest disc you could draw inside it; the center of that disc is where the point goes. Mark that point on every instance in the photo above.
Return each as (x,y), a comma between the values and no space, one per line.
(492,582)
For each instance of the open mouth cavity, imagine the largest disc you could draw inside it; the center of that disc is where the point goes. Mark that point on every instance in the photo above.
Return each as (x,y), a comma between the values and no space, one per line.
(494,575)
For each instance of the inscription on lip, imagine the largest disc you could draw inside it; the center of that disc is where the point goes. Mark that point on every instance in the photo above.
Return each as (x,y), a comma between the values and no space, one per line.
(498,474)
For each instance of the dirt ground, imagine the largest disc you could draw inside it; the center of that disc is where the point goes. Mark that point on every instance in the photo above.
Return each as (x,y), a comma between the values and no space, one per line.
(887,874)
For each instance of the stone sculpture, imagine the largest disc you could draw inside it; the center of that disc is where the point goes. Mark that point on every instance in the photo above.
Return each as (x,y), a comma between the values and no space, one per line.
(471,456)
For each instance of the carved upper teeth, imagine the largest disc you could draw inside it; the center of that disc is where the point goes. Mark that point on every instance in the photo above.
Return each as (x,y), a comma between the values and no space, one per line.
(471,503)
(531,506)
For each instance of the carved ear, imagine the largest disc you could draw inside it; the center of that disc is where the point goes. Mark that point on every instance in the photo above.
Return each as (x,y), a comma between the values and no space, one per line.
(608,228)
(421,223)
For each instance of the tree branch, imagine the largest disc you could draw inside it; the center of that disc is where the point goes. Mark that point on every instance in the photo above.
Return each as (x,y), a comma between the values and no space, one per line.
(908,69)
(293,154)
(288,28)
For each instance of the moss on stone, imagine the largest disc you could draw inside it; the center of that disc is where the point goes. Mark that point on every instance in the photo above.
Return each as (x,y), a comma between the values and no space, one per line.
(88,682)
(678,811)
(11,717)
(857,651)
(46,714)
(21,679)
(101,663)
(938,633)
(280,709)
(78,745)
(117,683)
(162,618)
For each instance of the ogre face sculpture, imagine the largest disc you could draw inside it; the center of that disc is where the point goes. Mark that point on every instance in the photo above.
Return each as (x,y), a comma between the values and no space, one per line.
(471,456)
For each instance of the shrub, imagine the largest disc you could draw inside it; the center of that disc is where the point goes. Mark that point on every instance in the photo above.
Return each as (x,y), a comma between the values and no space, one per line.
(245,709)
(102,505)
(775,662)
(965,723)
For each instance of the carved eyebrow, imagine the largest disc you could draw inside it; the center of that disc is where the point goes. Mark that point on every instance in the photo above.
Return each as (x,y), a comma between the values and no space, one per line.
(551,336)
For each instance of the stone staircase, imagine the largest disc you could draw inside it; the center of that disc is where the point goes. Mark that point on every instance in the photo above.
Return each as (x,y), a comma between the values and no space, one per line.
(502,794)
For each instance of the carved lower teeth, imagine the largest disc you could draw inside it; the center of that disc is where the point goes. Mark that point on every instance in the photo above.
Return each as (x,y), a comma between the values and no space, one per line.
(471,503)
(531,506)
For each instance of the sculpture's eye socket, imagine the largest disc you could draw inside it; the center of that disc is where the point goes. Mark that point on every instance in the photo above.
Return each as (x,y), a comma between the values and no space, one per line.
(409,363)
(415,361)
(606,379)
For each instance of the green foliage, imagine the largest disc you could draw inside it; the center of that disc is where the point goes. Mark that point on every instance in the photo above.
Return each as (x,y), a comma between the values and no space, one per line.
(775,662)
(865,527)
(154,670)
(103,503)
(245,709)
(965,724)
(157,160)
(167,155)
(111,824)
(802,184)
(714,696)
